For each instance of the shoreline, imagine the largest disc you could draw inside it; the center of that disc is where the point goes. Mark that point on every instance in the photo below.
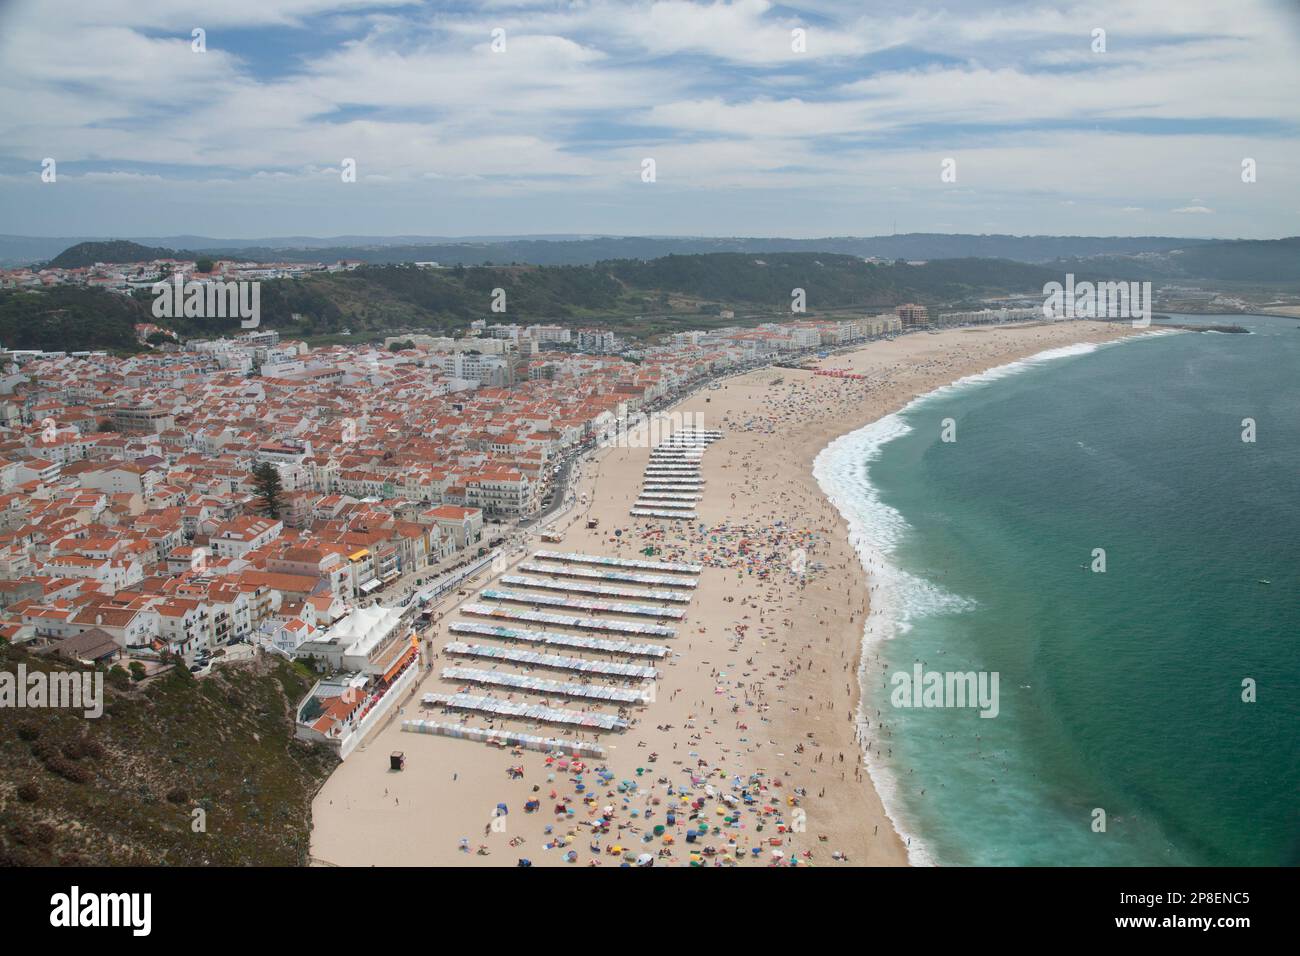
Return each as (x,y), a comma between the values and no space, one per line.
(882,622)
(782,651)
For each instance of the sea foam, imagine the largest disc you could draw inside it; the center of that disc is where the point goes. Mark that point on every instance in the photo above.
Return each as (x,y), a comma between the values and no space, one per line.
(897,597)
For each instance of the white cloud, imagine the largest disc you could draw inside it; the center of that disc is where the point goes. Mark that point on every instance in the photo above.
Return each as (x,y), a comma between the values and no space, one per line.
(712,90)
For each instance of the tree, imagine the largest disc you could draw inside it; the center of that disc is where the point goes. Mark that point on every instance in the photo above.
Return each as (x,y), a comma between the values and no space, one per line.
(267,481)
(204,265)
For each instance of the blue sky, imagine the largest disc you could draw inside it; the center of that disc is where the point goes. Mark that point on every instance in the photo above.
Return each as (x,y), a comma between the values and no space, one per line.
(749,135)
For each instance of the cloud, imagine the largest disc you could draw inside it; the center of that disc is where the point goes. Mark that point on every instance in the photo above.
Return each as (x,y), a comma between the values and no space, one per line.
(712,90)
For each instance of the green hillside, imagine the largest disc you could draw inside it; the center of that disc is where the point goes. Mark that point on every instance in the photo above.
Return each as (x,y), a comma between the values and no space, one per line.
(637,297)
(121,790)
(70,318)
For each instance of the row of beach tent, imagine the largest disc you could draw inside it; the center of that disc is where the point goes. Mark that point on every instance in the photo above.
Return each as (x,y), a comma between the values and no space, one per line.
(535,712)
(672,479)
(505,738)
(565,620)
(579,582)
(660,513)
(575,558)
(541,685)
(554,662)
(579,587)
(554,639)
(581,604)
(626,577)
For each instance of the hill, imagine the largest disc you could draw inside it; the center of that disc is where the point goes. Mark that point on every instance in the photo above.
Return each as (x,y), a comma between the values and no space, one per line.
(1273,260)
(113,250)
(637,297)
(1265,262)
(121,790)
(830,281)
(66,317)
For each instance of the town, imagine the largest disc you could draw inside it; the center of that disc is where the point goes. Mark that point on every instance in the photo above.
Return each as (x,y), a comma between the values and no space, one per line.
(213,498)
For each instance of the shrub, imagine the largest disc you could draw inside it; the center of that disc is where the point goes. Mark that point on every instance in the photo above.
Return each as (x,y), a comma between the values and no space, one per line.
(28,730)
(28,792)
(82,747)
(44,750)
(68,770)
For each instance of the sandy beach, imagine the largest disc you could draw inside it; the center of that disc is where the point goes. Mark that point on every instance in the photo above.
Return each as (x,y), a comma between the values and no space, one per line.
(756,700)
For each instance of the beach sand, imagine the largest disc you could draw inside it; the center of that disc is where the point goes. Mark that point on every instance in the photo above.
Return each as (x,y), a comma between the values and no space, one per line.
(763,678)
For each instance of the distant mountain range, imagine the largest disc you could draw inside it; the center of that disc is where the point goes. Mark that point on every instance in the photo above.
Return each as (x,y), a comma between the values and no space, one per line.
(1151,257)
(585,250)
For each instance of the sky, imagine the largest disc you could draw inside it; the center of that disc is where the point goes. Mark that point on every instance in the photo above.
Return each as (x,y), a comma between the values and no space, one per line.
(520,117)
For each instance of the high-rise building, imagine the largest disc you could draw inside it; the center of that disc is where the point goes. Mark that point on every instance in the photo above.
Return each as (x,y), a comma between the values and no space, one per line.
(596,340)
(913,316)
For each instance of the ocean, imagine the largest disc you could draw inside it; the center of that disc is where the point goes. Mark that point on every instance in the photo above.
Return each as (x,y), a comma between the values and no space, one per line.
(1121,735)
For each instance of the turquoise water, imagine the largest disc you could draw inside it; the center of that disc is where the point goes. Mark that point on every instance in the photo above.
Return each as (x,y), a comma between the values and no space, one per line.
(1119,690)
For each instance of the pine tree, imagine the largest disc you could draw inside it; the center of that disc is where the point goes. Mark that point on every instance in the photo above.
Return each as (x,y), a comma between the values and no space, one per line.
(267,480)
